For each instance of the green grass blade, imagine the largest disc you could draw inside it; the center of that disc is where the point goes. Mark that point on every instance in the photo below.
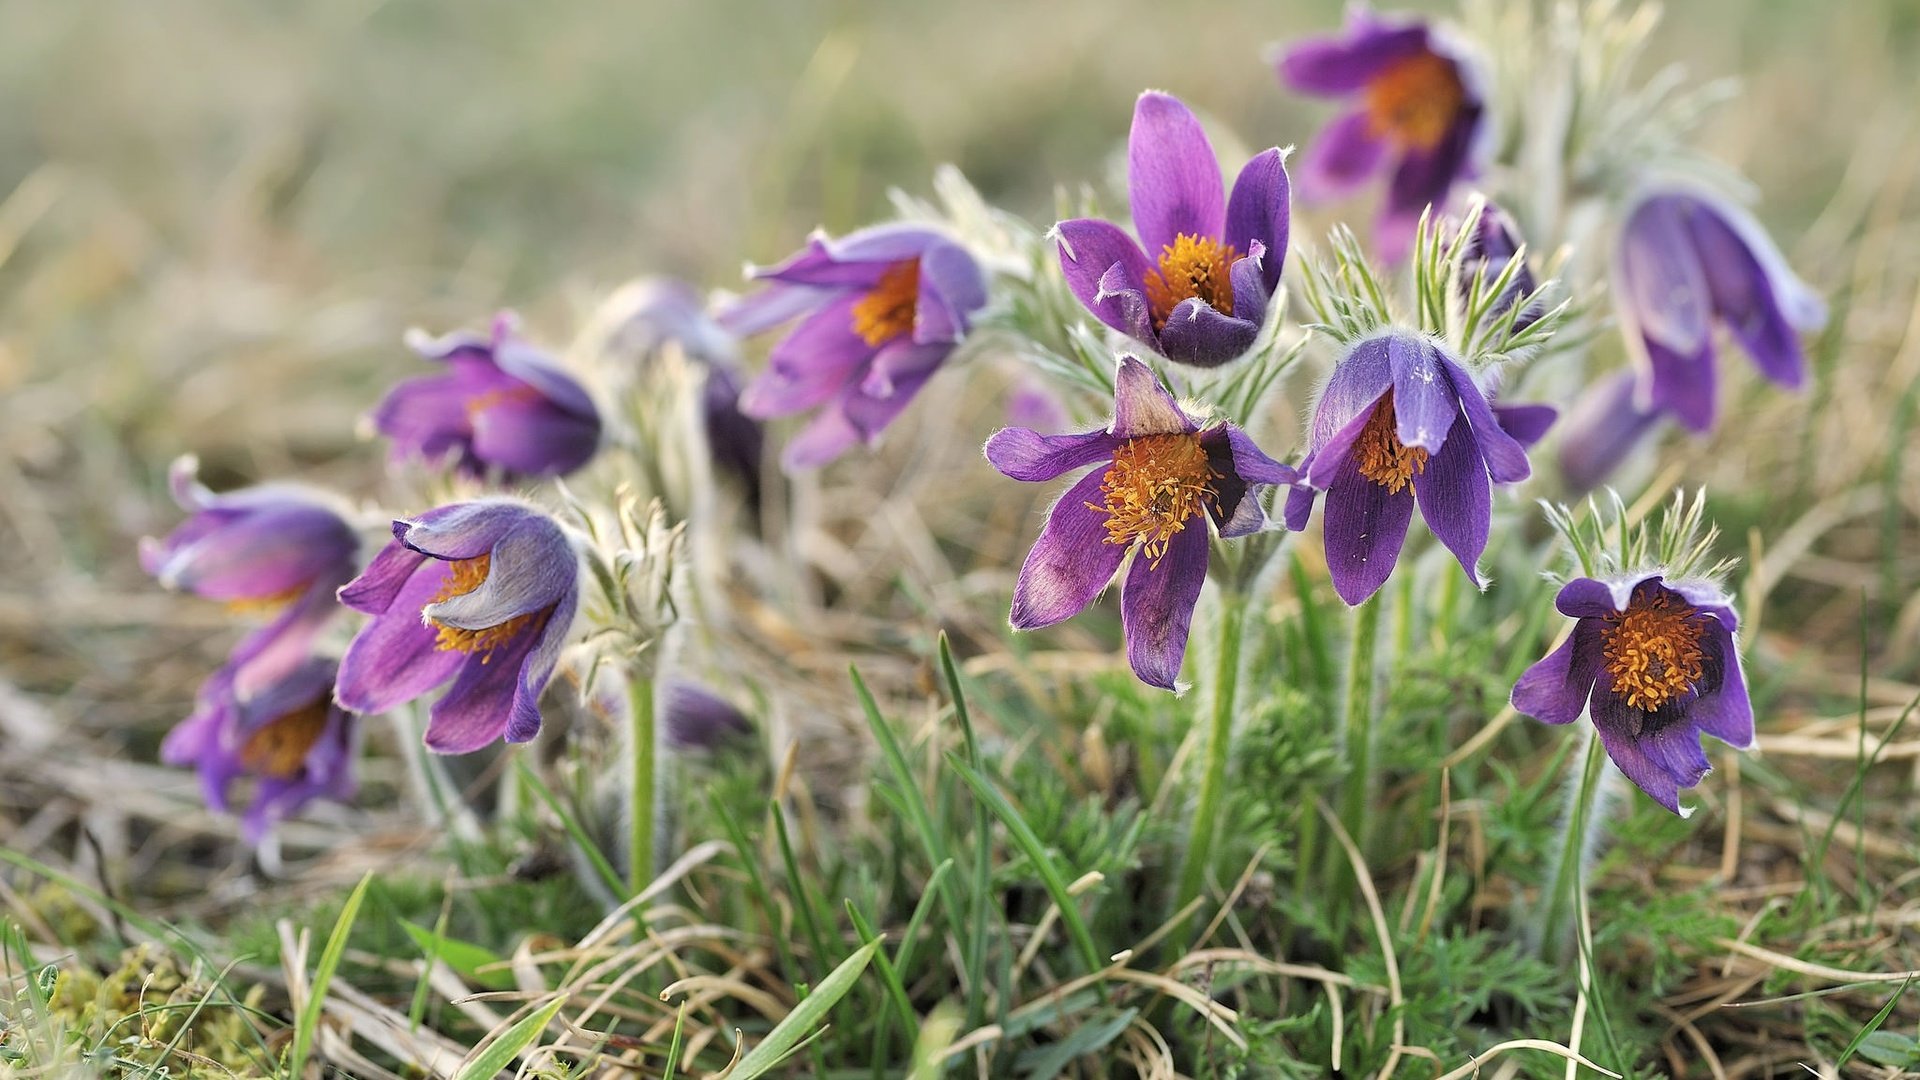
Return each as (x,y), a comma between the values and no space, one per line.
(608,875)
(1872,1025)
(308,1022)
(499,1051)
(980,895)
(912,799)
(786,1035)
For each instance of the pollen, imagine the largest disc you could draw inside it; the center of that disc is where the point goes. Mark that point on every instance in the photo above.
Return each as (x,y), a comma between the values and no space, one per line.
(480,403)
(1192,266)
(270,602)
(1652,650)
(465,576)
(1415,101)
(1380,456)
(887,311)
(279,748)
(1155,486)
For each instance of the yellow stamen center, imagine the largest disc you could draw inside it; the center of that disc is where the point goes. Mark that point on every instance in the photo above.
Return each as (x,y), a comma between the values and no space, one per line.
(1157,484)
(482,402)
(270,603)
(887,311)
(1414,102)
(1380,456)
(467,575)
(1191,266)
(1652,650)
(279,748)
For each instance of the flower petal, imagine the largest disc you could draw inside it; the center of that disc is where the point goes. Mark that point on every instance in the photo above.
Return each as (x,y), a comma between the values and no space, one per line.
(1660,291)
(1197,334)
(1156,606)
(951,290)
(1506,459)
(1024,454)
(855,260)
(1603,429)
(1354,388)
(1555,689)
(462,530)
(1682,384)
(1745,298)
(1425,403)
(1525,424)
(1456,500)
(810,365)
(1341,159)
(537,670)
(1173,178)
(534,437)
(1259,210)
(771,306)
(1659,760)
(1071,562)
(1726,712)
(477,708)
(374,591)
(1107,272)
(529,570)
(1142,405)
(1249,285)
(1363,528)
(1299,506)
(394,658)
(1337,65)
(426,417)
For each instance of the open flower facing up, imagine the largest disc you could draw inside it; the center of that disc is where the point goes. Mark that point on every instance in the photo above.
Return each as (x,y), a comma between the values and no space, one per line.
(884,308)
(276,549)
(1198,292)
(1420,114)
(1164,484)
(288,736)
(1685,262)
(501,404)
(1401,422)
(482,593)
(1655,664)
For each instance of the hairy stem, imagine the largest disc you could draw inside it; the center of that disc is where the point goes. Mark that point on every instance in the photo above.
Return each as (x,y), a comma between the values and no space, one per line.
(1357,720)
(1581,826)
(1213,775)
(642,784)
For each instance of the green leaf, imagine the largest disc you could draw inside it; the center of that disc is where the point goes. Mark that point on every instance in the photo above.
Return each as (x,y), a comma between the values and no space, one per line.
(786,1035)
(1046,1062)
(498,1052)
(1873,1026)
(462,956)
(308,1022)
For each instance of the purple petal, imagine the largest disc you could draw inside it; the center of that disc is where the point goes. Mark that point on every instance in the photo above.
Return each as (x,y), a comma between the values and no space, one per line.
(1602,430)
(272,551)
(1196,334)
(1456,500)
(1588,598)
(1339,65)
(1341,159)
(1071,562)
(1525,424)
(1156,606)
(1250,289)
(530,569)
(856,260)
(537,369)
(771,306)
(1425,403)
(1425,177)
(1142,406)
(479,705)
(1555,689)
(951,290)
(1744,297)
(1173,179)
(463,530)
(1682,384)
(373,592)
(828,435)
(1252,463)
(1299,506)
(394,658)
(1660,291)
(1660,760)
(1024,454)
(810,365)
(534,437)
(1506,458)
(1726,713)
(1363,529)
(899,372)
(1259,211)
(426,417)
(537,670)
(1107,272)
(699,719)
(1330,460)
(1352,391)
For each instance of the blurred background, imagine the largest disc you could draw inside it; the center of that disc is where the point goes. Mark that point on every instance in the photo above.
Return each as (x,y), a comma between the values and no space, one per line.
(217,218)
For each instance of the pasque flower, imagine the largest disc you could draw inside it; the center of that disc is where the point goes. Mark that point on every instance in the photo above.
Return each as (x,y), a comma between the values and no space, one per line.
(1401,422)
(1602,429)
(276,549)
(481,593)
(698,719)
(1198,292)
(501,404)
(288,736)
(1494,242)
(1419,113)
(1164,484)
(1687,261)
(1655,664)
(884,307)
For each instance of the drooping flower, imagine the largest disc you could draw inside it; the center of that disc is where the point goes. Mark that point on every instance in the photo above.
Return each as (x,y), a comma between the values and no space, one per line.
(1655,664)
(501,404)
(276,549)
(1421,113)
(482,593)
(1602,430)
(1401,422)
(884,306)
(1492,245)
(1165,483)
(1195,287)
(699,719)
(1687,261)
(287,736)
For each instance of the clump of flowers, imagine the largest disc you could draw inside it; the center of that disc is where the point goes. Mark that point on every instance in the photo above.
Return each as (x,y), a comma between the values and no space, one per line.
(1169,481)
(1196,285)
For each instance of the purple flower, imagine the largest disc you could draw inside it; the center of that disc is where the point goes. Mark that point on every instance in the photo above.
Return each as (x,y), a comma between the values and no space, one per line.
(1420,112)
(1195,288)
(482,593)
(699,719)
(1486,253)
(501,404)
(1160,474)
(287,735)
(884,308)
(1400,421)
(1685,262)
(1655,664)
(1603,428)
(274,548)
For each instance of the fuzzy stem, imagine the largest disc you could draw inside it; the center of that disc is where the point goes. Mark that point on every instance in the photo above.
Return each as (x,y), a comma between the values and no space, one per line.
(1582,823)
(1357,720)
(1213,775)
(642,784)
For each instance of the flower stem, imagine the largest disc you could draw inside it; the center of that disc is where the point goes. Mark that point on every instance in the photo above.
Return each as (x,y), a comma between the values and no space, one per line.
(1581,831)
(1357,721)
(641,794)
(1213,775)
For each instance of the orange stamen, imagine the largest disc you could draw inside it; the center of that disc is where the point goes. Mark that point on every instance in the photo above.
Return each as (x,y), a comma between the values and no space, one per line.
(279,748)
(1653,650)
(1156,484)
(888,309)
(1414,102)
(1380,456)
(1191,266)
(467,575)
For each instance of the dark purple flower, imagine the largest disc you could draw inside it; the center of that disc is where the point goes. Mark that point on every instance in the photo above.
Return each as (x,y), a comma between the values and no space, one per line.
(1687,261)
(1655,664)
(1603,428)
(287,736)
(1195,287)
(501,404)
(1160,473)
(482,593)
(699,719)
(1400,421)
(884,308)
(1420,112)
(1486,253)
(277,549)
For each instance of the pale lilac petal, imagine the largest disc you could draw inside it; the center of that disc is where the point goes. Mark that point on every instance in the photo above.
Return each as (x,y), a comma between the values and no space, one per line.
(427,416)
(1156,606)
(462,530)
(1659,287)
(1363,528)
(1107,272)
(1555,689)
(810,365)
(1173,179)
(952,288)
(380,583)
(828,435)
(1071,562)
(530,569)
(1341,159)
(394,658)
(769,307)
(1456,500)
(856,260)
(1024,454)
(1259,211)
(1603,429)
(1142,405)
